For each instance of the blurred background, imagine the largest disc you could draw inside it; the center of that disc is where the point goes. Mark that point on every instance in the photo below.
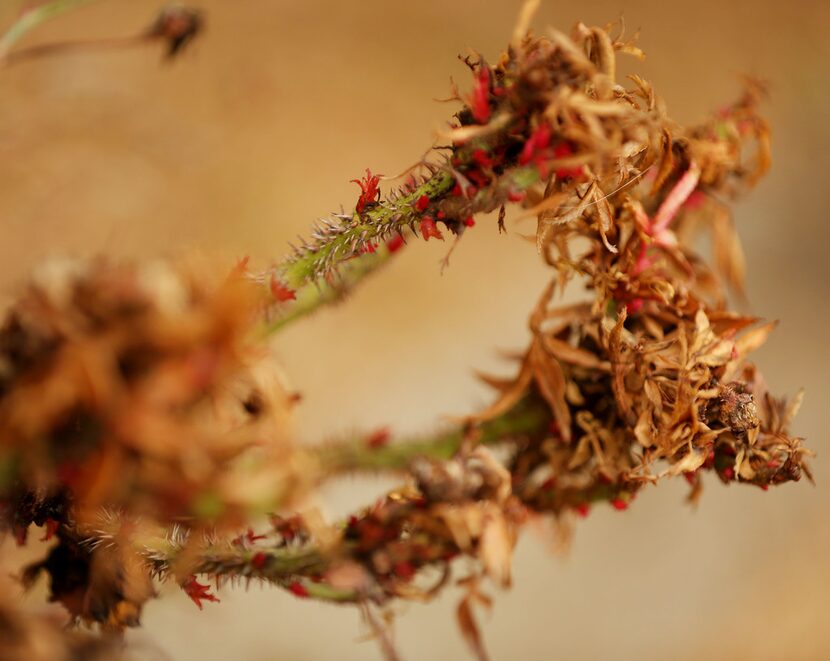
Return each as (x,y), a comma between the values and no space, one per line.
(237,147)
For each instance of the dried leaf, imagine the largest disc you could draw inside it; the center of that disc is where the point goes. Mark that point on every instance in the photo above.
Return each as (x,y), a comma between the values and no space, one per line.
(548,375)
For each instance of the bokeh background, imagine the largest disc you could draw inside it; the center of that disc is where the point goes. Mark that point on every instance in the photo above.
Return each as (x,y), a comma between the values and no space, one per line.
(238,146)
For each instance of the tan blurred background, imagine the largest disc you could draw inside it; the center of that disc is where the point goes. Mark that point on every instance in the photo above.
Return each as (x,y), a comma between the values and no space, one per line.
(257,130)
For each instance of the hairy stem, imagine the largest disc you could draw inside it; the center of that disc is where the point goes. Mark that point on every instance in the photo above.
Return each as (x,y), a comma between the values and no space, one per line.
(376,224)
(357,455)
(314,295)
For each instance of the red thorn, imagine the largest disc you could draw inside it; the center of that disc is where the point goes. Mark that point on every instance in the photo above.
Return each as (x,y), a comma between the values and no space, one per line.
(20,535)
(198,592)
(258,560)
(429,230)
(619,504)
(51,526)
(394,244)
(404,570)
(470,222)
(583,509)
(482,158)
(710,460)
(422,203)
(634,306)
(537,142)
(299,590)
(248,537)
(379,438)
(563,150)
(280,292)
(241,267)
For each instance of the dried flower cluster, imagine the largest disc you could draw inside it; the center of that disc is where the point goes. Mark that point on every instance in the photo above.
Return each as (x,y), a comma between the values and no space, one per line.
(133,387)
(136,427)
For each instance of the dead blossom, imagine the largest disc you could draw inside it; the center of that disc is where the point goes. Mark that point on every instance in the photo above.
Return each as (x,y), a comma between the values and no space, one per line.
(132,386)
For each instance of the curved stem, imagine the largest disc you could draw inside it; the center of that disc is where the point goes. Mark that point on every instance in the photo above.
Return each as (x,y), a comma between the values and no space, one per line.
(357,454)
(345,252)
(314,295)
(31,19)
(62,47)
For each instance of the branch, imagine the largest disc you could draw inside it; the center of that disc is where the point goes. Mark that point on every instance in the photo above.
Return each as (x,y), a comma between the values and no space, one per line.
(176,25)
(31,19)
(361,454)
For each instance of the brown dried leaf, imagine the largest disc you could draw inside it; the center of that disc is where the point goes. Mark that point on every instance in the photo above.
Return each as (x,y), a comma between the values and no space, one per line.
(495,548)
(753,339)
(729,256)
(466,619)
(666,163)
(619,368)
(508,398)
(550,379)
(567,353)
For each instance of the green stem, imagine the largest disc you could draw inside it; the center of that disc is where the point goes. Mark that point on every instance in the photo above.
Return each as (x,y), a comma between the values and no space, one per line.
(346,252)
(325,592)
(278,565)
(378,223)
(315,295)
(357,455)
(275,564)
(31,19)
(324,271)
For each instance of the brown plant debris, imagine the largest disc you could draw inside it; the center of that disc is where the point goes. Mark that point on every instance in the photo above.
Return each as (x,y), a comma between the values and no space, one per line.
(132,398)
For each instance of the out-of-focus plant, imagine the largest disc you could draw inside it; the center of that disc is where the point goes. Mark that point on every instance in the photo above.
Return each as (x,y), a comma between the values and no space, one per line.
(145,427)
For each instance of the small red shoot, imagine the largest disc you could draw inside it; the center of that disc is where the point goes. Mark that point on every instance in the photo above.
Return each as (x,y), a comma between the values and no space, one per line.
(480,100)
(429,229)
(198,592)
(369,192)
(280,292)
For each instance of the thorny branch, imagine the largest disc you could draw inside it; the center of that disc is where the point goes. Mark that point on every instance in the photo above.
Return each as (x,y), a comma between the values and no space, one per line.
(143,423)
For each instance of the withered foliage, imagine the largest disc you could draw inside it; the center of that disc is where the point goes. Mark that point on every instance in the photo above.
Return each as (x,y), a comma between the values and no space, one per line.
(650,377)
(130,399)
(132,387)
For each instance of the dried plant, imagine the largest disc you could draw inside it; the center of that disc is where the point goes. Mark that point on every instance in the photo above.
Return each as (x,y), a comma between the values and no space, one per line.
(143,423)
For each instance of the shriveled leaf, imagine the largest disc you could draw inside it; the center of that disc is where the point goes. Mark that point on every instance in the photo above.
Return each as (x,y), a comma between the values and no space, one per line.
(567,353)
(753,339)
(548,375)
(509,397)
(496,548)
